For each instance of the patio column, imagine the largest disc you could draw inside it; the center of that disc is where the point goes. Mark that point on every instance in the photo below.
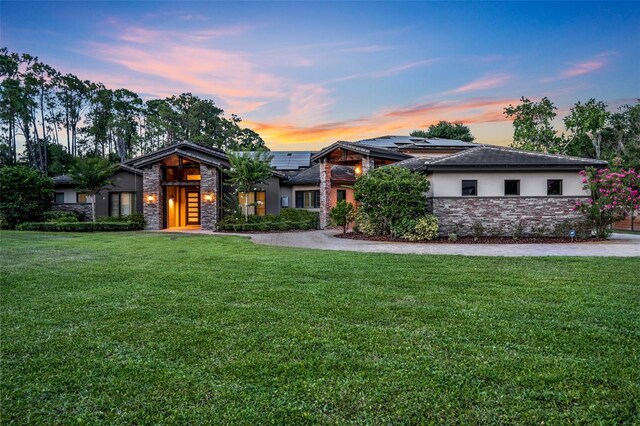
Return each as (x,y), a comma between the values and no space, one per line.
(367,164)
(325,192)
(208,197)
(152,207)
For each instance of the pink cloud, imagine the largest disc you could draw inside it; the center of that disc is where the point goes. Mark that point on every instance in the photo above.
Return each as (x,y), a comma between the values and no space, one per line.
(588,66)
(387,72)
(486,82)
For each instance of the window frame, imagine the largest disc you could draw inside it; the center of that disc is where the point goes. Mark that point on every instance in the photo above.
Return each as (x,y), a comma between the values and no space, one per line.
(341,191)
(517,193)
(303,197)
(78,194)
(560,187)
(475,183)
(132,202)
(255,209)
(55,194)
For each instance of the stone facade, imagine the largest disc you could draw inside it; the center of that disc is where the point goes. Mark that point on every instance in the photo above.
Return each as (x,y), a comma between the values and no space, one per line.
(367,164)
(78,208)
(325,193)
(501,215)
(152,197)
(208,197)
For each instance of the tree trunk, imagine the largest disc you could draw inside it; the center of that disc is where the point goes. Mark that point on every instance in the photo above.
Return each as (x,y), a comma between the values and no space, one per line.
(93,207)
(246,207)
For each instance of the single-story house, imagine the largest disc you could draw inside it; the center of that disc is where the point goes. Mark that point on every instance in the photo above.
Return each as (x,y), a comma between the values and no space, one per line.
(184,185)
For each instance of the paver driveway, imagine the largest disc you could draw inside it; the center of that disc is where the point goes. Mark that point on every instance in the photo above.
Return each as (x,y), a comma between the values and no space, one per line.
(620,245)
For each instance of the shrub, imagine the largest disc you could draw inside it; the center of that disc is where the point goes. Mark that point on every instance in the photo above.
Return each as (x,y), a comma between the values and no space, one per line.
(75,226)
(342,215)
(453,236)
(583,229)
(367,226)
(60,216)
(25,194)
(426,228)
(404,227)
(478,230)
(390,194)
(135,219)
(518,231)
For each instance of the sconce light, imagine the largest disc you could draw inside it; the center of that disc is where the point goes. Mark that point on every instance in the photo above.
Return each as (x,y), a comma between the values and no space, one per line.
(150,198)
(209,197)
(358,170)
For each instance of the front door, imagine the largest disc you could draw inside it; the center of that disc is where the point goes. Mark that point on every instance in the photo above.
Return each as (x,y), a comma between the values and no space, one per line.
(193,206)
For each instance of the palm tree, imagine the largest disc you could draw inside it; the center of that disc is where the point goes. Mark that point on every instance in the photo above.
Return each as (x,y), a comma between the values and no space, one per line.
(249,169)
(93,174)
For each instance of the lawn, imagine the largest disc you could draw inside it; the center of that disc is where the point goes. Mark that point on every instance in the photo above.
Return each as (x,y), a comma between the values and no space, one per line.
(143,328)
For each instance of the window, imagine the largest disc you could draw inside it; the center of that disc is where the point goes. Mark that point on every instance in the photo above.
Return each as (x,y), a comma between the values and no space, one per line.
(122,203)
(342,195)
(469,187)
(511,187)
(58,197)
(257,203)
(554,187)
(81,197)
(308,199)
(187,172)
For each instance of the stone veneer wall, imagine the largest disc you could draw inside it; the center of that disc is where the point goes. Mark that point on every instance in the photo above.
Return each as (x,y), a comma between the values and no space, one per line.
(151,186)
(325,193)
(502,214)
(367,164)
(81,208)
(208,186)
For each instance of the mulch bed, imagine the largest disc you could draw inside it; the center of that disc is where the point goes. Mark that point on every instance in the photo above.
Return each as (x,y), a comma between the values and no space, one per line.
(469,240)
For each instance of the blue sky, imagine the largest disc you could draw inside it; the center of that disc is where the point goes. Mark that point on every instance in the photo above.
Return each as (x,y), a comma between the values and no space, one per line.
(306,74)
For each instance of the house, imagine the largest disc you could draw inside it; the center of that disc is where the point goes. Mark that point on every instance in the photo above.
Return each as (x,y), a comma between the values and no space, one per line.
(185,185)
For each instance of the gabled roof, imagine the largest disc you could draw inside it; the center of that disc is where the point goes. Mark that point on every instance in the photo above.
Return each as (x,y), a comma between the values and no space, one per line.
(408,142)
(367,150)
(311,176)
(62,180)
(190,150)
(498,157)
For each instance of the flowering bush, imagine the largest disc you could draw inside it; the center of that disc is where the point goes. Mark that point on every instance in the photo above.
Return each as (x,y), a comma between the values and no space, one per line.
(614,194)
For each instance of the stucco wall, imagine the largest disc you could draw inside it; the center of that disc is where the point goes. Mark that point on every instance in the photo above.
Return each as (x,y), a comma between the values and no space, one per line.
(491,184)
(295,188)
(272,193)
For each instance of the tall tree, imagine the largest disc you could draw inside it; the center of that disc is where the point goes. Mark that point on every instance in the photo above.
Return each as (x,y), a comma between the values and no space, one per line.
(589,121)
(446,130)
(93,174)
(532,128)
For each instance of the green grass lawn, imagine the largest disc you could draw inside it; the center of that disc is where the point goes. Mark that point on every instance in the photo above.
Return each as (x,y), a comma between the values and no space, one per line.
(143,328)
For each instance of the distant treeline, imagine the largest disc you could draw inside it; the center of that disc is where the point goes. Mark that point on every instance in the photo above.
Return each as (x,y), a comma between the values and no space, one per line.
(59,117)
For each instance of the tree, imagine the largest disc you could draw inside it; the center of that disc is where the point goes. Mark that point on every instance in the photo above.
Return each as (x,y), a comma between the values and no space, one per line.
(248,169)
(25,194)
(391,194)
(93,174)
(588,120)
(614,195)
(532,129)
(446,130)
(342,215)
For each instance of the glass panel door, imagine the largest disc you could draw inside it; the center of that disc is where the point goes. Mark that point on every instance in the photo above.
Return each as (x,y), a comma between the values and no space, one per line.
(193,207)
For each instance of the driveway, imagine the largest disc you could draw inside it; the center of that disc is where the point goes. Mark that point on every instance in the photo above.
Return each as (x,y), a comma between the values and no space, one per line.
(620,245)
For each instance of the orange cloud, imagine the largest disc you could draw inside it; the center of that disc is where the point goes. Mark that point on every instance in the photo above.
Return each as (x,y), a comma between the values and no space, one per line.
(486,82)
(398,121)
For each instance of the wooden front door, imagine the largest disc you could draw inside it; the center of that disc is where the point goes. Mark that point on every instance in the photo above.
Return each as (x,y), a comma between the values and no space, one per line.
(193,206)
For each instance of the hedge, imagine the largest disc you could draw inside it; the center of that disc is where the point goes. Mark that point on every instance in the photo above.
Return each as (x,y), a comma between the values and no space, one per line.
(282,225)
(77,226)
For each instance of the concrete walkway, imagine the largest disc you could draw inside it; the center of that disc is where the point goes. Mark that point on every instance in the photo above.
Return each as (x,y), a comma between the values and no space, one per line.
(620,245)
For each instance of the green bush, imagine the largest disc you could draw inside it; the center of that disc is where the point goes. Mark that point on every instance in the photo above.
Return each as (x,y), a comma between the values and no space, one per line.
(367,226)
(25,194)
(288,219)
(76,226)
(135,219)
(404,227)
(60,216)
(583,229)
(425,228)
(342,215)
(389,195)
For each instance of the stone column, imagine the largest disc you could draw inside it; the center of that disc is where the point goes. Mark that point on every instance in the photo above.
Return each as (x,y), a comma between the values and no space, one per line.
(325,193)
(209,197)
(152,203)
(367,164)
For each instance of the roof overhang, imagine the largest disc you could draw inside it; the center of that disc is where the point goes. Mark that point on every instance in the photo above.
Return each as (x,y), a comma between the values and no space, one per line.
(381,153)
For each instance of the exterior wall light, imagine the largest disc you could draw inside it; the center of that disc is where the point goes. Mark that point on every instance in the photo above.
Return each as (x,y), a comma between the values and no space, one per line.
(150,198)
(358,170)
(209,197)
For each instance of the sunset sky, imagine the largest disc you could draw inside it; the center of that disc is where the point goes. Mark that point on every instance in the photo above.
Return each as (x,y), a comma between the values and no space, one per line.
(304,75)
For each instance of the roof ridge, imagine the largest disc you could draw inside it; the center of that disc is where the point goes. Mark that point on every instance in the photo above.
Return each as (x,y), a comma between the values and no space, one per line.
(454,155)
(543,154)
